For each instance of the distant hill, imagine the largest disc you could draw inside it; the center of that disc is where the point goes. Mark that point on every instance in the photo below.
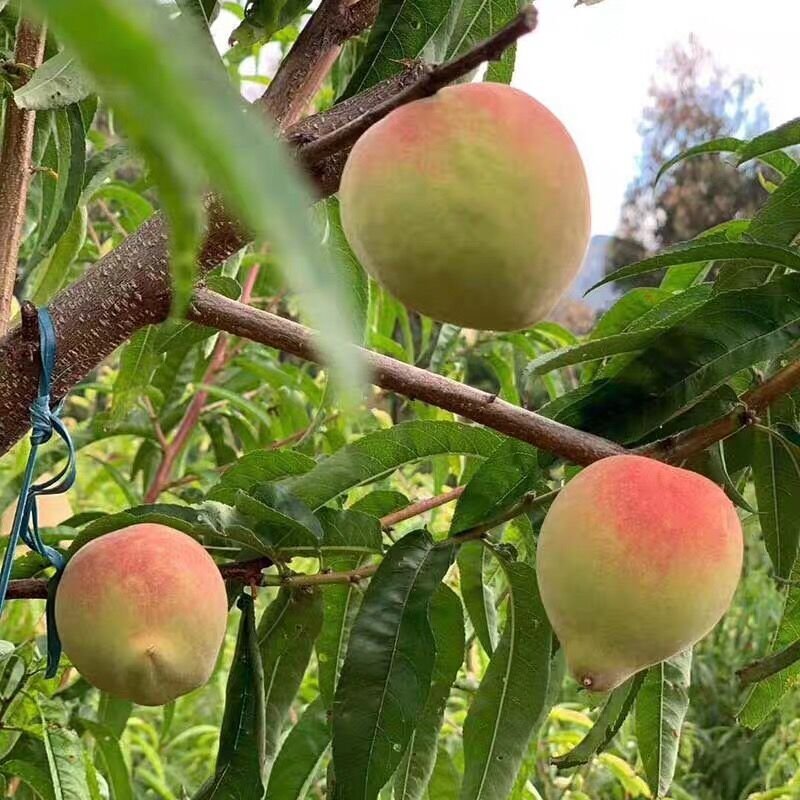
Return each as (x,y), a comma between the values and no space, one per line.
(593,269)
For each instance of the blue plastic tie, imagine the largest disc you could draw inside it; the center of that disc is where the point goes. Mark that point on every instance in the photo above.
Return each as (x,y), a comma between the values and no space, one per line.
(44,422)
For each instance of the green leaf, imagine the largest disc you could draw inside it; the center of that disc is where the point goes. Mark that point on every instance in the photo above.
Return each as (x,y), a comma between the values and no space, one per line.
(683,365)
(67,135)
(380,453)
(473,21)
(300,758)
(137,362)
(615,711)
(776,477)
(279,519)
(404,31)
(447,623)
(499,483)
(764,697)
(726,144)
(115,768)
(52,274)
(512,694)
(102,166)
(660,710)
(239,772)
(696,253)
(445,782)
(381,502)
(353,273)
(64,755)
(778,220)
(477,593)
(786,135)
(177,105)
(286,634)
(113,713)
(387,672)
(59,82)
(258,467)
(349,531)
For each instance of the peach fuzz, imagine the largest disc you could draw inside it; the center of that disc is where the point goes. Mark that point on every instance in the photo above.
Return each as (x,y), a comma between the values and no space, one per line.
(142,613)
(471,206)
(636,561)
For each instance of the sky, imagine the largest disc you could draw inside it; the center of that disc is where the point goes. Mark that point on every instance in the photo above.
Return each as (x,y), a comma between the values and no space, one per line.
(592,65)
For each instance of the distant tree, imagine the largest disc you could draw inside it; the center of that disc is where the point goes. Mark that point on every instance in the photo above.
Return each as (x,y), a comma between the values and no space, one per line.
(692,100)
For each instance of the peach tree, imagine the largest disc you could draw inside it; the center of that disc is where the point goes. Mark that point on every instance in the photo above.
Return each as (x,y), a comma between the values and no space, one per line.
(370,482)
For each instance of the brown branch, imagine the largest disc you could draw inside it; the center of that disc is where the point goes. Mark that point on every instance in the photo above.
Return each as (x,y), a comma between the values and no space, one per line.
(420,507)
(771,665)
(218,361)
(431,79)
(130,287)
(303,71)
(15,166)
(528,503)
(245,571)
(212,309)
(678,448)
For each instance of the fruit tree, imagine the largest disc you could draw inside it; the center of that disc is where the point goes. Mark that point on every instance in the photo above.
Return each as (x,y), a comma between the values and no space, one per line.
(346,515)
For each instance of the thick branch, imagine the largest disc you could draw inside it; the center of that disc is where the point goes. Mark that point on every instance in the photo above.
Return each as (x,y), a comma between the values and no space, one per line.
(130,287)
(303,71)
(219,312)
(15,166)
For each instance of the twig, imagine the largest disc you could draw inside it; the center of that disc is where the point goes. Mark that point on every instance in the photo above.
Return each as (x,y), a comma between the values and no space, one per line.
(770,665)
(212,309)
(420,507)
(15,164)
(303,71)
(172,451)
(678,448)
(245,571)
(430,80)
(357,575)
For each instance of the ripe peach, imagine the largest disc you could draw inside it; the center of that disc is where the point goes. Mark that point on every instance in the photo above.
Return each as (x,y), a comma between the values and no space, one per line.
(471,206)
(142,613)
(636,561)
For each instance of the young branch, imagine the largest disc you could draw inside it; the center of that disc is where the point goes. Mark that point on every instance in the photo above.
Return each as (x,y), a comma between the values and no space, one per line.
(420,507)
(173,449)
(528,503)
(678,448)
(209,308)
(15,166)
(245,571)
(431,79)
(771,665)
(303,71)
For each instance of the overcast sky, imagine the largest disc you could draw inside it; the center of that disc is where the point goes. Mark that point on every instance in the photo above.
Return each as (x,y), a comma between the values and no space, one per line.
(592,65)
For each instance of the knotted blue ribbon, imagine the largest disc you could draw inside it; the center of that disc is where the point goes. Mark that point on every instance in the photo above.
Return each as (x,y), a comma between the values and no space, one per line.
(45,422)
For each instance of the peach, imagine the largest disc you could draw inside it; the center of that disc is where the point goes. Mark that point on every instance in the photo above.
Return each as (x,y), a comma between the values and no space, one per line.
(636,561)
(471,206)
(142,613)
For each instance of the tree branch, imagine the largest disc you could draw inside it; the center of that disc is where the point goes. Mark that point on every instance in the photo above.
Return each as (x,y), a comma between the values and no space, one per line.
(678,448)
(217,362)
(209,308)
(130,287)
(771,665)
(303,71)
(431,79)
(15,166)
